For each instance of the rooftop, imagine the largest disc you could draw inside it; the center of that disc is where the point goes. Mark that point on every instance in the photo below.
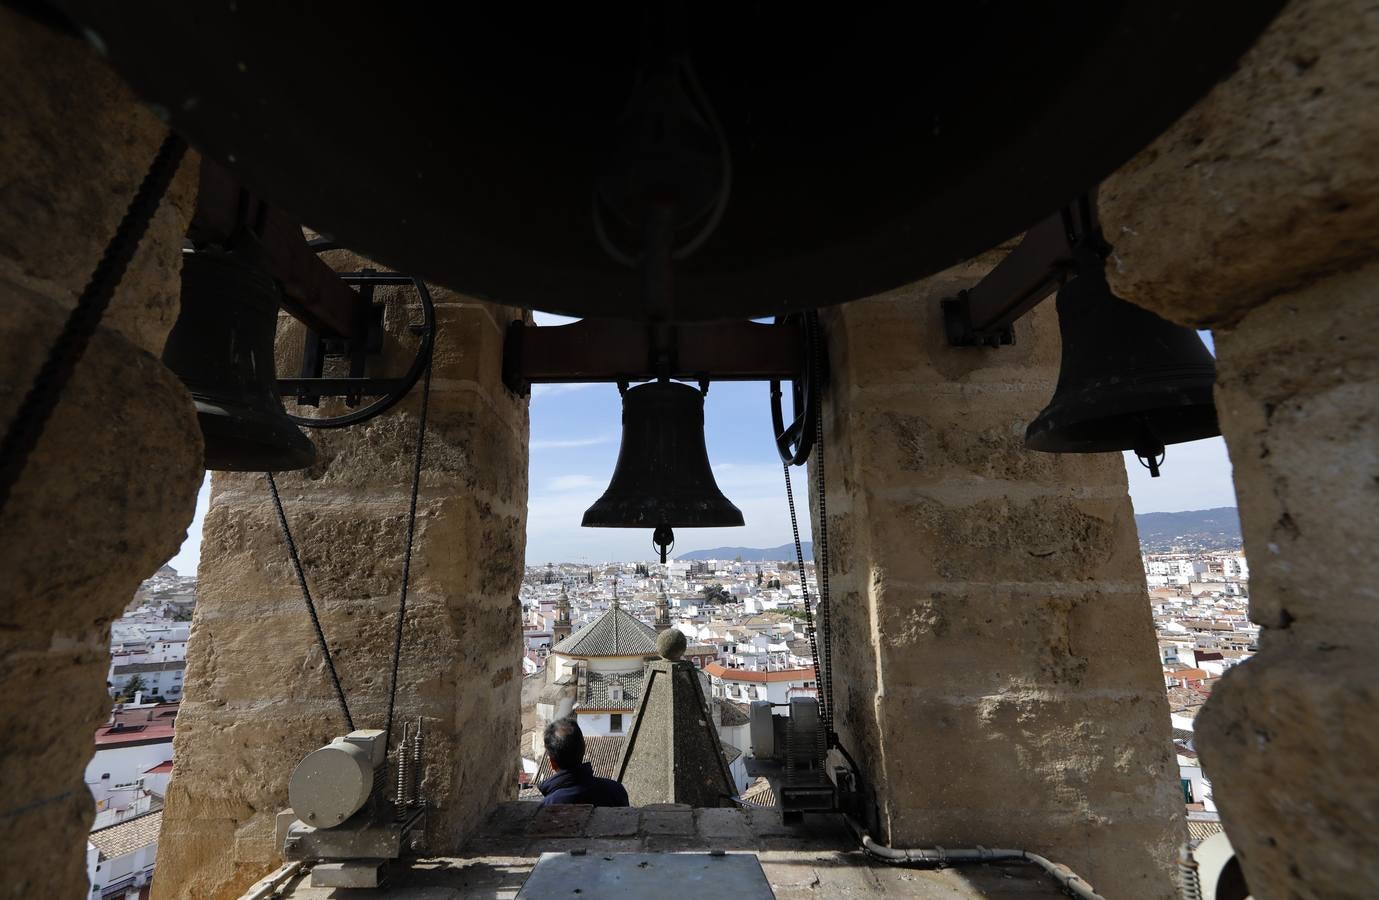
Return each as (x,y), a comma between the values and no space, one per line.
(128,836)
(597,693)
(720,671)
(122,735)
(818,858)
(614,633)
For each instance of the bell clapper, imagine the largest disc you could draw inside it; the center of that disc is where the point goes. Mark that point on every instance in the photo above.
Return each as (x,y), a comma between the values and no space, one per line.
(663,539)
(1152,458)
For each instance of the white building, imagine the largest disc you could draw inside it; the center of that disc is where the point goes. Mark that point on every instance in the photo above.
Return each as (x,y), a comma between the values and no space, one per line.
(128,777)
(127,769)
(120,857)
(745,685)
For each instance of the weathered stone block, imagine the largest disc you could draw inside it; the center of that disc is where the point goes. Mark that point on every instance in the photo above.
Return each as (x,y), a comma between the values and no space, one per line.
(667,821)
(1266,184)
(561,820)
(614,821)
(1290,743)
(253,659)
(991,599)
(106,494)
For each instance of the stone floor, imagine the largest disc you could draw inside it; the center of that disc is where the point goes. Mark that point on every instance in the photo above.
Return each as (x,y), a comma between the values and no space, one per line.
(815,859)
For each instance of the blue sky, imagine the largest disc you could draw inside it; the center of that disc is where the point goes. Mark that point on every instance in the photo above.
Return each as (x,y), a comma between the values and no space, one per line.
(575,432)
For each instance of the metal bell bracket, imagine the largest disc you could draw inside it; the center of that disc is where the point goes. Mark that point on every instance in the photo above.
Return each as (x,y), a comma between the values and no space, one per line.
(340,320)
(1046,258)
(311,385)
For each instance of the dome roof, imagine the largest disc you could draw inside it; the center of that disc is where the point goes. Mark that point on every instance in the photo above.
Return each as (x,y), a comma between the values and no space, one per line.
(615,633)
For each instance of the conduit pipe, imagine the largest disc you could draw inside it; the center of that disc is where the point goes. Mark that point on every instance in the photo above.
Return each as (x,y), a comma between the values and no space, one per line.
(937,857)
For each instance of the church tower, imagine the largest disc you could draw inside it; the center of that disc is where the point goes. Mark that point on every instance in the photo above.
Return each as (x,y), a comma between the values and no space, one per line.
(662,610)
(561,629)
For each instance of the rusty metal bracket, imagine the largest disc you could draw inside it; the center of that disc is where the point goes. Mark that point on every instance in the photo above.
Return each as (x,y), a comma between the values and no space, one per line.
(613,351)
(1046,259)
(312,292)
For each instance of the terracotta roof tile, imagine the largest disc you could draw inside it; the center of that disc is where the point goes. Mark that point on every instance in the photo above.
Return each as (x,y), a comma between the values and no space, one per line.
(615,633)
(127,836)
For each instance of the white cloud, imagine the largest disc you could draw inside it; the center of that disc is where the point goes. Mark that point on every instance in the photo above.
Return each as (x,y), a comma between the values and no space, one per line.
(571,442)
(551,390)
(563,483)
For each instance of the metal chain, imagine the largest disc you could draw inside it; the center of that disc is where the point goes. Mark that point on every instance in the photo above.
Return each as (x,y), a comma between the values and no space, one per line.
(804,589)
(821,539)
(37,407)
(306,596)
(407,552)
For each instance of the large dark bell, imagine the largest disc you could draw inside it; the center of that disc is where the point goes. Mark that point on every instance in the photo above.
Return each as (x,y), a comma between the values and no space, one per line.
(1129,380)
(662,477)
(871,144)
(222,349)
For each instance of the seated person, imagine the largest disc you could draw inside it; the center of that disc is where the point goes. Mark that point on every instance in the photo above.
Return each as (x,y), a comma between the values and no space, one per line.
(574,780)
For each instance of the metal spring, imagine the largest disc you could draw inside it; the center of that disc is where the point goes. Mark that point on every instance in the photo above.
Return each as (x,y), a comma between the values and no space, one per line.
(402,757)
(1189,880)
(417,768)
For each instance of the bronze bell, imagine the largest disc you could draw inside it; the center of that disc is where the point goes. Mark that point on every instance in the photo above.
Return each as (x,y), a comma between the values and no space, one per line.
(662,479)
(1128,380)
(222,349)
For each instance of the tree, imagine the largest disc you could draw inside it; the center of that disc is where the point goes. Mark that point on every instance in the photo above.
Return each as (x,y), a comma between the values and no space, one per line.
(716,595)
(133,686)
(758,578)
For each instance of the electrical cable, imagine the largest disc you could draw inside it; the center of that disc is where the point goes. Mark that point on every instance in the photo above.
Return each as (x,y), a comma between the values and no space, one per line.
(38,404)
(306,596)
(407,553)
(939,857)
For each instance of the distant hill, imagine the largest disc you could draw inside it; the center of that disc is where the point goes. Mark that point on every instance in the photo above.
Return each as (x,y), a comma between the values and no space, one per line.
(783,553)
(1160,532)
(1195,529)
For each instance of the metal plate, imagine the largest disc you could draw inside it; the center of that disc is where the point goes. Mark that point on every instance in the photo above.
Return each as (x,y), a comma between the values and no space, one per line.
(647,876)
(872,145)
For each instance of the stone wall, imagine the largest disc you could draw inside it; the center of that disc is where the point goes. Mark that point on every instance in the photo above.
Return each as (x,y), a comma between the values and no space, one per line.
(994,661)
(1258,214)
(257,694)
(107,495)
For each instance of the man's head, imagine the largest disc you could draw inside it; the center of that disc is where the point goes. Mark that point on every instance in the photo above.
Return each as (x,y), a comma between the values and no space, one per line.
(564,744)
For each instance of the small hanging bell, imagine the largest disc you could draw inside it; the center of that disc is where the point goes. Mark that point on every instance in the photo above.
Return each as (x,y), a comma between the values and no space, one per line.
(662,479)
(1128,380)
(222,349)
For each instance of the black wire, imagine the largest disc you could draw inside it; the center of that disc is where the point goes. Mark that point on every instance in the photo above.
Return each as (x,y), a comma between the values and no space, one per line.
(306,596)
(407,552)
(37,407)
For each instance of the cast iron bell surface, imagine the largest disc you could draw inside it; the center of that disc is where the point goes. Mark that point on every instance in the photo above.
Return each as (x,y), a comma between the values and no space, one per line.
(662,477)
(871,144)
(222,350)
(1129,380)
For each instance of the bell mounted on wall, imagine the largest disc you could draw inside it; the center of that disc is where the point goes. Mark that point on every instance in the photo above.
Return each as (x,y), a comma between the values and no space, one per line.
(1128,379)
(662,479)
(222,350)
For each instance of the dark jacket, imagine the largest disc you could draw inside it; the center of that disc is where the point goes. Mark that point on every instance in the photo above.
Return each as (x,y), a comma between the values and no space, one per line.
(582,786)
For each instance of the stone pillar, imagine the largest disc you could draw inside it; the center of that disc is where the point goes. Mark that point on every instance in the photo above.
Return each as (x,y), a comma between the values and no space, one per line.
(994,664)
(257,694)
(1258,215)
(107,494)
